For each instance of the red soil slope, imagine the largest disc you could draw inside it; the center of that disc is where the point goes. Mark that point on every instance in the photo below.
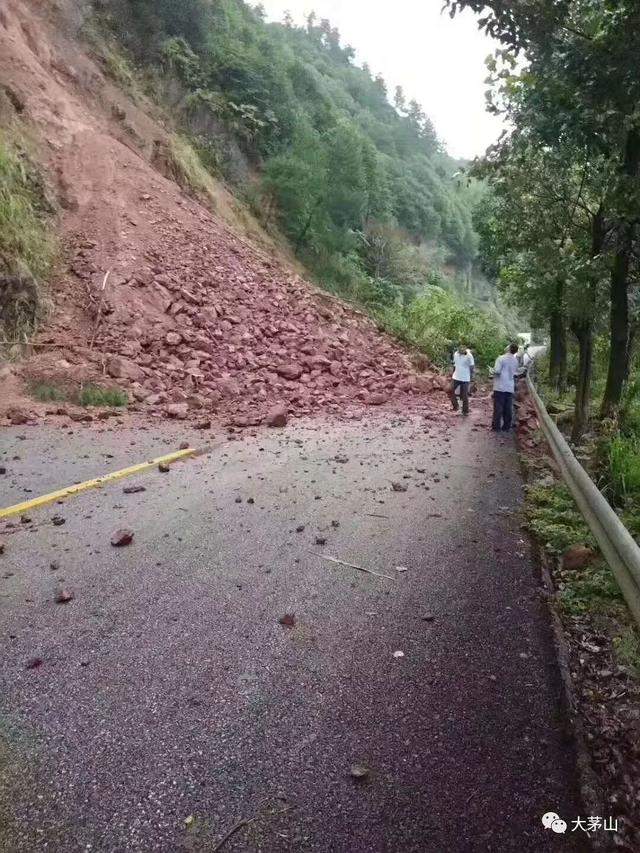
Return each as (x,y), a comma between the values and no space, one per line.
(192,318)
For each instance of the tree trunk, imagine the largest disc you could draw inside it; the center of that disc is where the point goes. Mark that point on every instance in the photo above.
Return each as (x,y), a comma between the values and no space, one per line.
(619,321)
(583,330)
(619,328)
(558,343)
(633,331)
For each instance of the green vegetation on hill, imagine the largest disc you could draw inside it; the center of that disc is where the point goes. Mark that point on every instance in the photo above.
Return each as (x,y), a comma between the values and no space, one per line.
(363,190)
(27,247)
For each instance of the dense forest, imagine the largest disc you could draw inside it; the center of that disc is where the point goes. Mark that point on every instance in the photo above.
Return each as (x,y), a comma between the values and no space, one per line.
(353,175)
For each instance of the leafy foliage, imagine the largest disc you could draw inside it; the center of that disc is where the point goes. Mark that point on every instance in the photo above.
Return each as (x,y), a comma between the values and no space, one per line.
(335,155)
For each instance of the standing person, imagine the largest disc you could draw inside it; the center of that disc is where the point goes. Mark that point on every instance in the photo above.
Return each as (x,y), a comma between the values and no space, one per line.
(504,388)
(463,366)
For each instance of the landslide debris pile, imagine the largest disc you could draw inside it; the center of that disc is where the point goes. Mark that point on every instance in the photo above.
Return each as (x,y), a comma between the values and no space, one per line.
(205,323)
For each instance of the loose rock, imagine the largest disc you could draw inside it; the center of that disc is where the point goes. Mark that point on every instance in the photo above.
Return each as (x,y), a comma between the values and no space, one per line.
(122,537)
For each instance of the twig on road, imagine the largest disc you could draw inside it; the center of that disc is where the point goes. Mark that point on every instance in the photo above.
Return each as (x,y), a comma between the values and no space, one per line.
(242,823)
(352,566)
(233,830)
(376,515)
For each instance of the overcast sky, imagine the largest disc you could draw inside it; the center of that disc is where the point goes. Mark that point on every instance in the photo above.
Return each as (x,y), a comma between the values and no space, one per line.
(437,61)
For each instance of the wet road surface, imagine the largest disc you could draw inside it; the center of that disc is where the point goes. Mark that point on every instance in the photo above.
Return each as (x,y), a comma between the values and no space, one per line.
(171,704)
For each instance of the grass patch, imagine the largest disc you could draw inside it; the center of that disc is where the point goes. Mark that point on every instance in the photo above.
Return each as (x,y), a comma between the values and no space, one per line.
(555,520)
(49,393)
(91,395)
(627,649)
(589,590)
(189,170)
(26,244)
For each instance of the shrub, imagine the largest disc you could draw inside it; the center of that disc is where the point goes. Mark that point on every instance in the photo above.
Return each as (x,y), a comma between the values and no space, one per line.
(94,396)
(27,247)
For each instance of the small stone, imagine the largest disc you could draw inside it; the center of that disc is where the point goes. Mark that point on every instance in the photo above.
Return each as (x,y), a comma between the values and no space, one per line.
(58,520)
(238,500)
(321,540)
(300,528)
(250,501)
(164,468)
(122,537)
(25,519)
(398,487)
(184,445)
(359,772)
(54,565)
(63,596)
(577,557)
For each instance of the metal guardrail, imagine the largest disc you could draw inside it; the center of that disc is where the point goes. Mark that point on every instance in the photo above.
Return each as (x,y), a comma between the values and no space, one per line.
(616,543)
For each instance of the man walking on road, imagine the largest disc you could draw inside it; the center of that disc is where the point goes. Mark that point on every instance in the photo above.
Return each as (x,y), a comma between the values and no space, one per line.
(504,387)
(463,368)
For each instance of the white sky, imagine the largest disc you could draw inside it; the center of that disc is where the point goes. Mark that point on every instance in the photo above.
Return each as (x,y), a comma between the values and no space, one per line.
(437,60)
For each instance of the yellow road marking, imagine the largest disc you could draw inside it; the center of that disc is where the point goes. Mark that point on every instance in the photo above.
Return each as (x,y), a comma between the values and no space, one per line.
(19,509)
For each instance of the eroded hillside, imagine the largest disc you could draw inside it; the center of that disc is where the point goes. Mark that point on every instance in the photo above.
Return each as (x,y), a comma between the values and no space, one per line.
(192,317)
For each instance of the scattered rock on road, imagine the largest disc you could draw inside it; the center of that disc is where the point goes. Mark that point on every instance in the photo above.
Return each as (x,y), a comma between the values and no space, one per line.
(58,520)
(122,537)
(164,468)
(133,490)
(63,596)
(359,772)
(398,487)
(277,417)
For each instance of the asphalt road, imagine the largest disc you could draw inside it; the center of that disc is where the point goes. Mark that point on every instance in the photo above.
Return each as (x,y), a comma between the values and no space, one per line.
(170,703)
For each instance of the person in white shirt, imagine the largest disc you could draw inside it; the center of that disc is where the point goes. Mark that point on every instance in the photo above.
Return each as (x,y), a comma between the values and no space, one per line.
(504,388)
(463,365)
